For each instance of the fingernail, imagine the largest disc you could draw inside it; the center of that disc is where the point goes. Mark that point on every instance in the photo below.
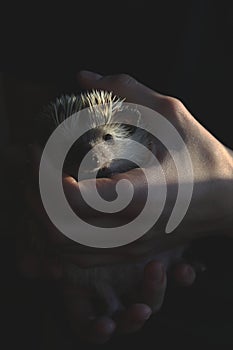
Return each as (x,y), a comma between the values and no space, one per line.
(147,315)
(104,326)
(86,74)
(189,273)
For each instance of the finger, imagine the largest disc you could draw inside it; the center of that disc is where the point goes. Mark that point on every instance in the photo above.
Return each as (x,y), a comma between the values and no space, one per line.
(96,332)
(133,318)
(154,285)
(184,274)
(83,319)
(78,306)
(122,85)
(101,330)
(73,251)
(110,302)
(106,187)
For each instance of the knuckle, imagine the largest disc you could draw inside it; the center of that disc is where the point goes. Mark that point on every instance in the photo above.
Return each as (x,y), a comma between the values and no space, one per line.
(174,110)
(172,105)
(123,79)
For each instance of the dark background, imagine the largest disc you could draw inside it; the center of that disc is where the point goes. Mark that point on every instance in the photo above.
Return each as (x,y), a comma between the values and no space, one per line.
(183,49)
(180,48)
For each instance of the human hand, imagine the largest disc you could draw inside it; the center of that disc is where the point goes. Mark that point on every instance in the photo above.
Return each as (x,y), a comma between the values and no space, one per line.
(210,210)
(129,314)
(128,317)
(212,165)
(37,260)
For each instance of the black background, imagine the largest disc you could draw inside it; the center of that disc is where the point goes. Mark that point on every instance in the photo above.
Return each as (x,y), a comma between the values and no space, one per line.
(179,48)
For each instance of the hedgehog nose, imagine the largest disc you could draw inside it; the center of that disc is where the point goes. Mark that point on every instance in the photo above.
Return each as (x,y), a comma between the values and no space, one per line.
(104,172)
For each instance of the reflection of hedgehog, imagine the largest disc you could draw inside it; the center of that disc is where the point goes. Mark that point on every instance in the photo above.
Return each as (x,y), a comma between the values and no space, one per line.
(112,113)
(114,151)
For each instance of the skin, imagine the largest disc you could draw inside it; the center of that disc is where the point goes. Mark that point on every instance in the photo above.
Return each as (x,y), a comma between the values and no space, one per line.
(213,174)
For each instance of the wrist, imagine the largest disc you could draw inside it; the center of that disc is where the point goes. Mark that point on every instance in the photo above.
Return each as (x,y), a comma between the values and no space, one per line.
(227,193)
(215,198)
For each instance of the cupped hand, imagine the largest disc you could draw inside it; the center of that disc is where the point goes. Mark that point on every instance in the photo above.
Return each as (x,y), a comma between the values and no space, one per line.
(128,314)
(210,209)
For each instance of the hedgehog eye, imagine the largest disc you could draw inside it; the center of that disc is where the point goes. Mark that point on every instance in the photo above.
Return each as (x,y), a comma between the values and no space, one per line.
(107,137)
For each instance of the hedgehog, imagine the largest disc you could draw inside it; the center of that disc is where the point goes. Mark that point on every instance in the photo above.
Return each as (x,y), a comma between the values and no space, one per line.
(106,109)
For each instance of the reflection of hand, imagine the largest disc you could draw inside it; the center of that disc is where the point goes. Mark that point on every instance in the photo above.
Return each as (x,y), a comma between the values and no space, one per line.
(80,304)
(130,314)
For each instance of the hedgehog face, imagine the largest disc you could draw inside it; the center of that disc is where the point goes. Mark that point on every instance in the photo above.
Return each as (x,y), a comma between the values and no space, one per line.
(109,150)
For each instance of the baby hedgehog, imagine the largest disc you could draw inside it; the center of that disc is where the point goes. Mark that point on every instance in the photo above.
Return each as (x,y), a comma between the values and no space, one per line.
(109,111)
